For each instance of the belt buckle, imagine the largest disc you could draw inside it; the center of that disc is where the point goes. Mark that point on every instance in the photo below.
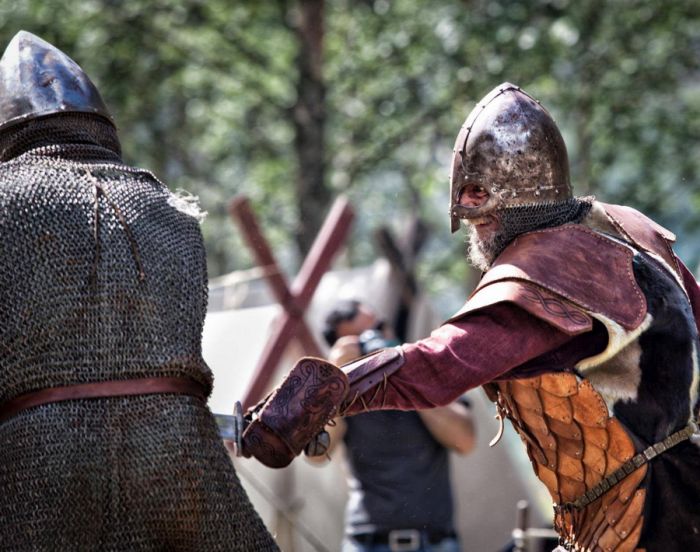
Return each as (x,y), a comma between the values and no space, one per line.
(404,540)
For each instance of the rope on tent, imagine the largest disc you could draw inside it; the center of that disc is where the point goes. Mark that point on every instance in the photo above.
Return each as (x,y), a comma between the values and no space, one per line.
(282,508)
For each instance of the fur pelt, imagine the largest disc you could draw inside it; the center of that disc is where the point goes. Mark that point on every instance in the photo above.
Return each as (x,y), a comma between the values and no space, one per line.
(653,379)
(648,376)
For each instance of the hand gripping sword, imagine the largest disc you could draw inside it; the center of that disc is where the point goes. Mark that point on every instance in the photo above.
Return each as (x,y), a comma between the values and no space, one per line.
(293,416)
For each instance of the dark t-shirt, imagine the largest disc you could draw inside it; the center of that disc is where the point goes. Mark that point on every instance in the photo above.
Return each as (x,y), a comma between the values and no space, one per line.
(399,474)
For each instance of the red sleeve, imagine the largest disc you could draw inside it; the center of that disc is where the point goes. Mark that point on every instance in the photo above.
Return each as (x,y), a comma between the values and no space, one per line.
(463,354)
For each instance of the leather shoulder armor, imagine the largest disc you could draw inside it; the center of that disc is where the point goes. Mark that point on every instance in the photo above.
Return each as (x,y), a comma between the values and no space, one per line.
(536,300)
(570,270)
(643,233)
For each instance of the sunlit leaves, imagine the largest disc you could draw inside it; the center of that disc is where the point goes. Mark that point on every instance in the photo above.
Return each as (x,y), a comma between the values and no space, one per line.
(203,91)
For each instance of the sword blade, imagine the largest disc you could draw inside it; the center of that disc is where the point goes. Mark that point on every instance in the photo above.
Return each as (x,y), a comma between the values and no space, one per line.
(227,426)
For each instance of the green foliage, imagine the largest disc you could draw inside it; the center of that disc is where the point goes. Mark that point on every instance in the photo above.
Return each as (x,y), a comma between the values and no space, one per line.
(204,92)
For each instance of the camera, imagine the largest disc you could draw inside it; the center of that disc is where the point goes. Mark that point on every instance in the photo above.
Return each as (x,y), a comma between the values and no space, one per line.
(371,340)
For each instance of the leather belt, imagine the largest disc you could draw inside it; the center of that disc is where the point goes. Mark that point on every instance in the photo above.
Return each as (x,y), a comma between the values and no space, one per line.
(102,389)
(404,539)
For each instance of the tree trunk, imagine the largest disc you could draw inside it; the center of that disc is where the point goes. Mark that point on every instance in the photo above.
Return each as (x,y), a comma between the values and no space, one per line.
(309,116)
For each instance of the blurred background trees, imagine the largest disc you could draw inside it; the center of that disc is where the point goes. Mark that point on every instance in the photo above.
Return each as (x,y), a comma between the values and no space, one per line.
(295,102)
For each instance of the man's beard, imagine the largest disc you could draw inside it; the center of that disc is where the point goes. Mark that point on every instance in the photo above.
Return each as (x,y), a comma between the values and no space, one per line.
(519,219)
(482,252)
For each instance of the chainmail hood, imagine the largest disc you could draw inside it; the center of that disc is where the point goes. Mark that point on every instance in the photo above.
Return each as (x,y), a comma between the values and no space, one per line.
(79,129)
(519,219)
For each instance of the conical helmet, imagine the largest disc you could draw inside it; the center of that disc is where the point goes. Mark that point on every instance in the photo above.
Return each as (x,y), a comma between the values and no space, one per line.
(510,146)
(37,79)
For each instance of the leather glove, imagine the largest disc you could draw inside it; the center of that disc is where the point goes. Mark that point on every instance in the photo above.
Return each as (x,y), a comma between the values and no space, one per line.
(293,416)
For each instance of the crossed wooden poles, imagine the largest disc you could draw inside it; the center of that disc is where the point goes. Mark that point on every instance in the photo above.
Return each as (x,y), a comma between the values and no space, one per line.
(295,299)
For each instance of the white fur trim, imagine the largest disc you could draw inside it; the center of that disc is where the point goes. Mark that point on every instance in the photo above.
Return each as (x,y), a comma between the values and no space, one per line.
(668,268)
(618,379)
(695,382)
(187,203)
(597,220)
(618,339)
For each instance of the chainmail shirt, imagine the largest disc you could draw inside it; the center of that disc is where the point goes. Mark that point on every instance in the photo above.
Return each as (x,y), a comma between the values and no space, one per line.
(103,277)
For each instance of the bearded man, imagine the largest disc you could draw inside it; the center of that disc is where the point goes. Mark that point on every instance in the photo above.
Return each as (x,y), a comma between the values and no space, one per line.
(583,330)
(106,442)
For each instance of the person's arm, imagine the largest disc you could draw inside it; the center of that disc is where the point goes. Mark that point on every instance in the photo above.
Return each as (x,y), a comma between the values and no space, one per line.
(458,356)
(480,347)
(452,426)
(345,349)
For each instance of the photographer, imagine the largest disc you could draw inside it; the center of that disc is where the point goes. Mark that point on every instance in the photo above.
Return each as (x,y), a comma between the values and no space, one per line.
(400,494)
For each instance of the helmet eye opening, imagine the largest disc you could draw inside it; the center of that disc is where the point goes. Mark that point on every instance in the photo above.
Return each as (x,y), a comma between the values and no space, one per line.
(473,195)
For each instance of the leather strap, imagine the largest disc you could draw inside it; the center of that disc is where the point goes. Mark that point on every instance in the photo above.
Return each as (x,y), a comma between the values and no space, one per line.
(103,389)
(366,373)
(628,467)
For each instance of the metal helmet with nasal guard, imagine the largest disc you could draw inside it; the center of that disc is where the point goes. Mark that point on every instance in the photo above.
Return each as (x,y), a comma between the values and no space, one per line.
(38,80)
(511,147)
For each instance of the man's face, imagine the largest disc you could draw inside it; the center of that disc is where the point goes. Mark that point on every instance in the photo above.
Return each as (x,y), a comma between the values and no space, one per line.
(475,195)
(483,232)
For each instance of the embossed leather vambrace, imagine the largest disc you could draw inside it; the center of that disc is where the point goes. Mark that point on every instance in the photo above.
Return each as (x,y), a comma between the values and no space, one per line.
(292,418)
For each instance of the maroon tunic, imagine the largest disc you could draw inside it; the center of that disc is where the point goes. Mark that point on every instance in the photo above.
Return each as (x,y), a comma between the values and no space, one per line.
(500,341)
(496,342)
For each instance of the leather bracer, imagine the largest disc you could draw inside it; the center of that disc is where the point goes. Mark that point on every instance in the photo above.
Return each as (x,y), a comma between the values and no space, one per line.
(368,376)
(313,393)
(280,426)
